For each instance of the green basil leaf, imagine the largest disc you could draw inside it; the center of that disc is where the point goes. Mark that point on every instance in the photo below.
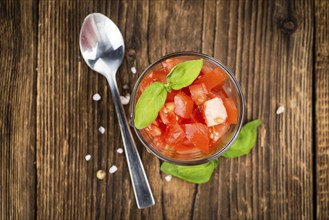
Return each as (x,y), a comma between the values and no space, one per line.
(149,104)
(194,174)
(245,141)
(183,74)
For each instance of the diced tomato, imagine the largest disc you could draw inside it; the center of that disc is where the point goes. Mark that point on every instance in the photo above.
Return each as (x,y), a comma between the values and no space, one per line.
(213,78)
(171,95)
(174,134)
(168,64)
(167,114)
(196,116)
(159,142)
(198,93)
(158,76)
(197,134)
(185,147)
(232,112)
(183,105)
(193,119)
(206,69)
(153,130)
(214,112)
(217,131)
(218,92)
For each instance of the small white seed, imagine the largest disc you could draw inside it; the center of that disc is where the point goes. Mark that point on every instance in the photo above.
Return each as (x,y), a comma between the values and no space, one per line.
(280,110)
(168,178)
(133,70)
(120,150)
(100,174)
(113,169)
(101,129)
(97,97)
(88,157)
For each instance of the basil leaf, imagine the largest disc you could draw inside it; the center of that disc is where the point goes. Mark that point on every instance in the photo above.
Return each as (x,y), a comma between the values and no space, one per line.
(183,74)
(245,141)
(194,174)
(149,104)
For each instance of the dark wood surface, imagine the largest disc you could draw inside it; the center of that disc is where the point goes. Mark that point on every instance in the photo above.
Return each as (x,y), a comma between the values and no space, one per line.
(278,51)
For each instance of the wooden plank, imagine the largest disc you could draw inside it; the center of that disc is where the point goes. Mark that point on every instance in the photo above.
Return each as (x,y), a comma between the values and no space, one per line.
(17,109)
(322,107)
(263,42)
(266,44)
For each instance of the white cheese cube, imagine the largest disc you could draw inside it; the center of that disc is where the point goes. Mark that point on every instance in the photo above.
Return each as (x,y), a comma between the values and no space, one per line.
(214,112)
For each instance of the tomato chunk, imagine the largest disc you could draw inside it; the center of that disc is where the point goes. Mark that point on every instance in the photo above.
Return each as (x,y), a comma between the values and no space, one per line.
(232,112)
(213,78)
(174,134)
(168,64)
(183,105)
(198,93)
(153,130)
(167,114)
(218,92)
(218,131)
(171,95)
(158,76)
(214,112)
(197,134)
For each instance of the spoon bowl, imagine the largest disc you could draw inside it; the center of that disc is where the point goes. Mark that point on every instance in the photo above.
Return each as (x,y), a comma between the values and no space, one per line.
(102,47)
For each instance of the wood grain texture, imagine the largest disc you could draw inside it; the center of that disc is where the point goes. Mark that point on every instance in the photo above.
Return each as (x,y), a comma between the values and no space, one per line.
(322,107)
(48,115)
(264,44)
(17,110)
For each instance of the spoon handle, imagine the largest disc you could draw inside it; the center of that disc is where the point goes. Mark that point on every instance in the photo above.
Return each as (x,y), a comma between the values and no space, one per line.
(142,190)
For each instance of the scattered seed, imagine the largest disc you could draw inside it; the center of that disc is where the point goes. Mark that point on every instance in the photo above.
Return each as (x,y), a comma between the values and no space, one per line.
(88,157)
(120,150)
(168,178)
(96,97)
(101,129)
(125,99)
(280,110)
(113,169)
(100,174)
(133,70)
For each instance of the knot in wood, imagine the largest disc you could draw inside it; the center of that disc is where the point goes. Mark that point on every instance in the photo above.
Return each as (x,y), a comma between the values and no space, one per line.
(288,25)
(132,53)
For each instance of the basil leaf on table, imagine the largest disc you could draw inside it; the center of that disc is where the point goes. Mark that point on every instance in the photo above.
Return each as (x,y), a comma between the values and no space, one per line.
(183,74)
(149,104)
(194,174)
(245,141)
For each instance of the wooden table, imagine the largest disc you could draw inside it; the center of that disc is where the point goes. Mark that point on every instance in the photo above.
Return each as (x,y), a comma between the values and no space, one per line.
(278,51)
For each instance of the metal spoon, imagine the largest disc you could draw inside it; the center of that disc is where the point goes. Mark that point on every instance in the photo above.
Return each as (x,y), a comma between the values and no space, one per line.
(102,47)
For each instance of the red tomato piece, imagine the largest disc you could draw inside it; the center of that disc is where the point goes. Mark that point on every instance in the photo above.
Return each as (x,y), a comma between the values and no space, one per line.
(198,135)
(157,76)
(174,134)
(213,78)
(206,69)
(167,114)
(168,64)
(232,112)
(196,116)
(183,105)
(153,130)
(159,142)
(218,131)
(198,93)
(218,92)
(185,148)
(171,95)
